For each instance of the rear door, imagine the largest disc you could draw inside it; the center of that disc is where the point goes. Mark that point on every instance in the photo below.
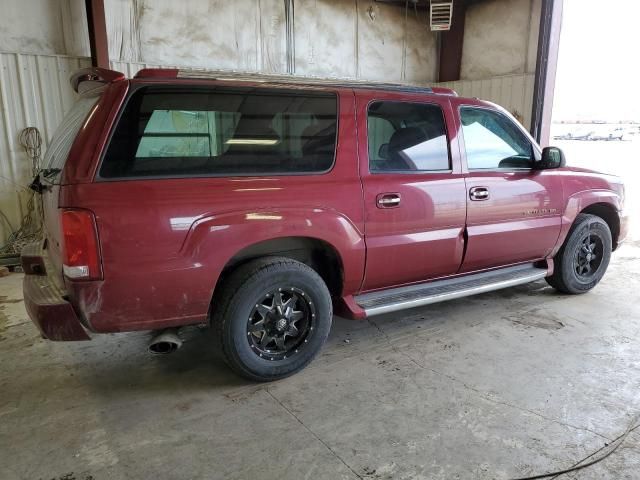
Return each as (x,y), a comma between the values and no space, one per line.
(513,211)
(414,190)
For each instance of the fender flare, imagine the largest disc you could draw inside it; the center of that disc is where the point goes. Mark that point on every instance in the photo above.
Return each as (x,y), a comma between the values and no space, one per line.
(578,202)
(213,240)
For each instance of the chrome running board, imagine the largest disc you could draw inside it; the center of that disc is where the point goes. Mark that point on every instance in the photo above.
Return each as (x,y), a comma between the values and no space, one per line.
(385,301)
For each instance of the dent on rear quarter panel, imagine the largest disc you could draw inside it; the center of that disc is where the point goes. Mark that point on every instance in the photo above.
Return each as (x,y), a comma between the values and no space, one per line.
(88,299)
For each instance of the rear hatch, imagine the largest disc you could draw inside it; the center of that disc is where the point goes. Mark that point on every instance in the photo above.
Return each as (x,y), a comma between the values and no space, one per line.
(53,163)
(89,84)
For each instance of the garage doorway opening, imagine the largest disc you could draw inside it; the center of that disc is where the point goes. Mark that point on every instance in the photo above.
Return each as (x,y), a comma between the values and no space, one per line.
(596,111)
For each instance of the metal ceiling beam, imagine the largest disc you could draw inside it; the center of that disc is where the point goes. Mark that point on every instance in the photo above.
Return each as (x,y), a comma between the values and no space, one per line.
(97,33)
(420,4)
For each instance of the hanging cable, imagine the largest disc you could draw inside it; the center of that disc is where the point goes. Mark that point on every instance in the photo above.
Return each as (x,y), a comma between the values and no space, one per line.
(30,229)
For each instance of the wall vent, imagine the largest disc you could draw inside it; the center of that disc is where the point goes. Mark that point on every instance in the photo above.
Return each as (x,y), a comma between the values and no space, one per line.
(441,13)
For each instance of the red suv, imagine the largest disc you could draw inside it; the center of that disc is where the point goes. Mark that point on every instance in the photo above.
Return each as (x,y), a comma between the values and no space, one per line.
(257,205)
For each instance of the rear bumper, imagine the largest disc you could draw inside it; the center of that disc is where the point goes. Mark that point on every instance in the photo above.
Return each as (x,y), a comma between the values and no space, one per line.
(46,304)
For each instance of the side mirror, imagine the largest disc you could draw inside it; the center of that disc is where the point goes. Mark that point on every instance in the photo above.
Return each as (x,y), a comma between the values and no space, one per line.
(552,157)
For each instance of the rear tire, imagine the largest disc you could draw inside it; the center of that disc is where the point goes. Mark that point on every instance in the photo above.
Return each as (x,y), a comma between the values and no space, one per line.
(272,317)
(584,257)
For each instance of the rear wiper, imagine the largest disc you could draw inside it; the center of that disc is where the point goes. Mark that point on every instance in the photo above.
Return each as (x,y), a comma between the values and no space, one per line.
(36,184)
(50,172)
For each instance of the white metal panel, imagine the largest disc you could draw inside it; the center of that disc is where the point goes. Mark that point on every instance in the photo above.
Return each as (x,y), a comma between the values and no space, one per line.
(326,38)
(500,38)
(363,40)
(394,44)
(513,92)
(248,35)
(57,27)
(34,92)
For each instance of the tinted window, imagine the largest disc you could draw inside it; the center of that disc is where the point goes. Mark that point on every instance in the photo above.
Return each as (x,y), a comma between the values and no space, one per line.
(406,137)
(172,132)
(493,141)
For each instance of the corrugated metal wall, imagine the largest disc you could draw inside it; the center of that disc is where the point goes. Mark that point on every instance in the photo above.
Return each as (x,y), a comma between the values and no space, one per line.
(513,92)
(35,92)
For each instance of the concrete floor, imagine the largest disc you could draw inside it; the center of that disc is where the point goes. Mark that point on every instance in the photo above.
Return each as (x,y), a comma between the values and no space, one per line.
(501,385)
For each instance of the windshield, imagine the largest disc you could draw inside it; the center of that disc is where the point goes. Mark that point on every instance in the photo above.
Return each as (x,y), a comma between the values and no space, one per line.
(60,144)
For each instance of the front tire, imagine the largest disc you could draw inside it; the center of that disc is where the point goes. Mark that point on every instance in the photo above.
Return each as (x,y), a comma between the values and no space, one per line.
(584,257)
(273,315)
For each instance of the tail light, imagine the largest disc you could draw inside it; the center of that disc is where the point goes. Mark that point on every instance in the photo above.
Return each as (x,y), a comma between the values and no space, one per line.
(81,255)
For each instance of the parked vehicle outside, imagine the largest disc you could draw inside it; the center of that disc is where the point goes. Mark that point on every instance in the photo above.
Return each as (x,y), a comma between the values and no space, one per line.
(607,134)
(581,134)
(594,132)
(260,205)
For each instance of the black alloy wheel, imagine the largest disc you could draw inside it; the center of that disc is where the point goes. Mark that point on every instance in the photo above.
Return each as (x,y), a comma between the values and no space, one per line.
(588,256)
(584,257)
(280,323)
(272,316)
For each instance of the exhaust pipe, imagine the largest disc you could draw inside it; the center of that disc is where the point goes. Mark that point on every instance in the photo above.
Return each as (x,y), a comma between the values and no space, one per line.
(165,342)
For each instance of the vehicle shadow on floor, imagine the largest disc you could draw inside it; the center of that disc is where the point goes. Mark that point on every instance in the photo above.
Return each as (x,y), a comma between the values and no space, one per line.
(119,363)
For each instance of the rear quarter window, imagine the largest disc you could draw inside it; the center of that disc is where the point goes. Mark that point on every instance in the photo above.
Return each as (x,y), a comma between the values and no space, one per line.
(58,150)
(173,131)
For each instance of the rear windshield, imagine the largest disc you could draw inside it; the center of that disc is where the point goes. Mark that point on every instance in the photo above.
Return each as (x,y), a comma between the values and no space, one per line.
(172,131)
(58,149)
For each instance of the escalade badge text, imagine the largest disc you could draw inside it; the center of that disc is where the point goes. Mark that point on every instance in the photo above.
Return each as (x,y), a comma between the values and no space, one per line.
(540,211)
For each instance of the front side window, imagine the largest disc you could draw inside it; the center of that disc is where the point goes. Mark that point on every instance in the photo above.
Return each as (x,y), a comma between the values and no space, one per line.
(172,131)
(406,137)
(492,141)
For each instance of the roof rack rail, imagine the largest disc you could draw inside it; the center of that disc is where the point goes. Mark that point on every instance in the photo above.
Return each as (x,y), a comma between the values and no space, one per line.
(92,80)
(287,80)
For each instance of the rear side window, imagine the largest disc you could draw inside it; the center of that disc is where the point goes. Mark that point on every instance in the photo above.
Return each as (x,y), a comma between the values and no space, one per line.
(407,137)
(166,131)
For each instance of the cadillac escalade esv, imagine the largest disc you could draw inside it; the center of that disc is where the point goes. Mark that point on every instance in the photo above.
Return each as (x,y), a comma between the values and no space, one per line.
(258,205)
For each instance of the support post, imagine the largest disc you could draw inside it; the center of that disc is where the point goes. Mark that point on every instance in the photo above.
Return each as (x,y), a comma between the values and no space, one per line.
(97,33)
(546,67)
(450,48)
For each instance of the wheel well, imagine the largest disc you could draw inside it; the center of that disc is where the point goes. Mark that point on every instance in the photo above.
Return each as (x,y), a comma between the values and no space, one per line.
(318,254)
(609,215)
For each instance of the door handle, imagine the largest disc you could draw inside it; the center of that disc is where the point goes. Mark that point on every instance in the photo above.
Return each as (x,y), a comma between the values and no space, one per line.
(479,193)
(388,200)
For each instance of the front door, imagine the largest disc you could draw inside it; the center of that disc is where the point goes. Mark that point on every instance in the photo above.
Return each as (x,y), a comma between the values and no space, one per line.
(414,191)
(513,211)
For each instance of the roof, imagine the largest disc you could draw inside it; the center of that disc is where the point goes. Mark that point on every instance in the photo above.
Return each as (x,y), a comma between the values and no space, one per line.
(94,79)
(289,80)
